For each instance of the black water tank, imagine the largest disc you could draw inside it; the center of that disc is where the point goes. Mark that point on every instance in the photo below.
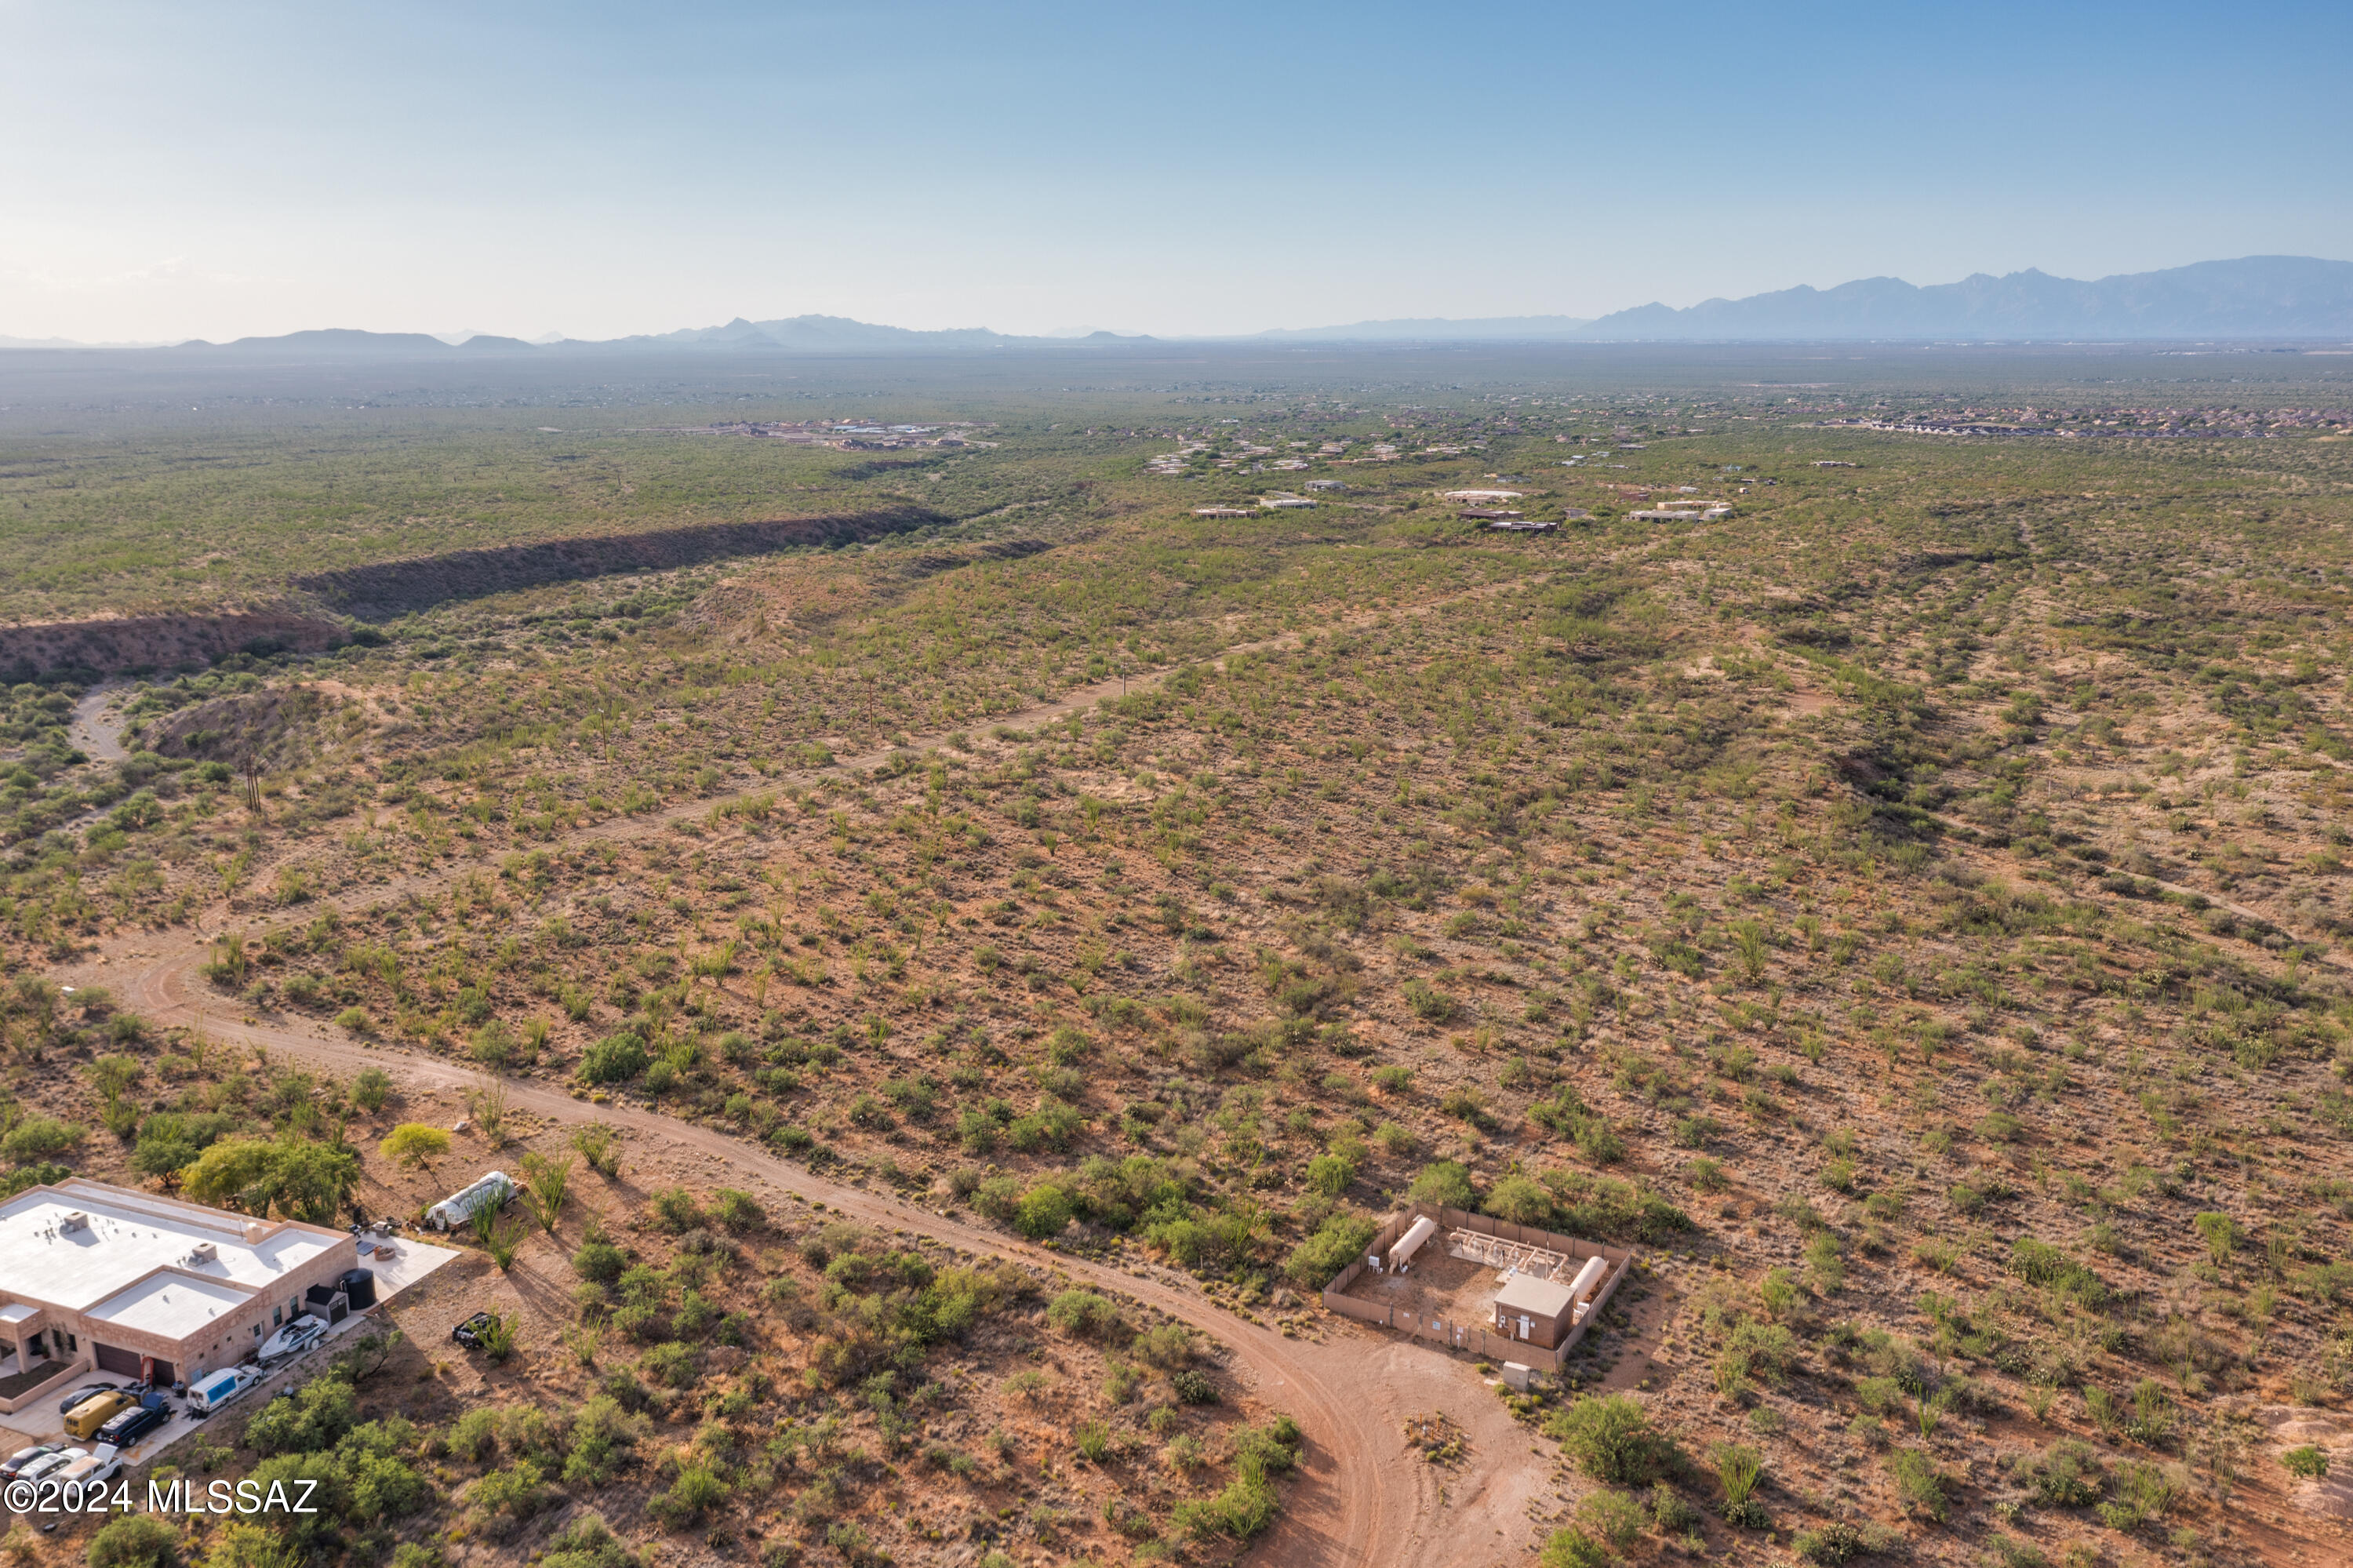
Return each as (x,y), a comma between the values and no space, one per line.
(359,1284)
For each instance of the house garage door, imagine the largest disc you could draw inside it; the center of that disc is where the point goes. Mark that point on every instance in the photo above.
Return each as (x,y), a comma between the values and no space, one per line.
(113,1361)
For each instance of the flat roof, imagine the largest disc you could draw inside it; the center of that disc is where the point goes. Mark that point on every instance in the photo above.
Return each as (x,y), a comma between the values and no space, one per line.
(128,1236)
(171,1305)
(1536,1298)
(16,1312)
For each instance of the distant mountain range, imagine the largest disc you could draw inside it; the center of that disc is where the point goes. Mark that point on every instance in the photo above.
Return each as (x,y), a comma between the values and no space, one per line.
(1436,329)
(2255,297)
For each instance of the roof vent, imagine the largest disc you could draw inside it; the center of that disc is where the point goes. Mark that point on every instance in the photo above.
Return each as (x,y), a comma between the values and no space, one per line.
(77,1221)
(203,1252)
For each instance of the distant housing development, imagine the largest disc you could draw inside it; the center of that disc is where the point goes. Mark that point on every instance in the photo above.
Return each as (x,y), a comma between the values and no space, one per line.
(147,1287)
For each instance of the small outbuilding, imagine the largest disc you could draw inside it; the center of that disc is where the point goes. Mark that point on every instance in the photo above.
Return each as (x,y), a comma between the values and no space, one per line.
(1539,1311)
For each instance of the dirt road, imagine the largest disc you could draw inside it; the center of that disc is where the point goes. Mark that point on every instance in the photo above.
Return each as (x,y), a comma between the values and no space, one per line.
(1363,1499)
(97,734)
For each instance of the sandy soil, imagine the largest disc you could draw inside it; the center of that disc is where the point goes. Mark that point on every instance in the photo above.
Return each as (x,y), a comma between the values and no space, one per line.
(1365,1497)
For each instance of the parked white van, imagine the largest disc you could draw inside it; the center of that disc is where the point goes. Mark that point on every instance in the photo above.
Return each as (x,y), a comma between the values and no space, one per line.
(213,1390)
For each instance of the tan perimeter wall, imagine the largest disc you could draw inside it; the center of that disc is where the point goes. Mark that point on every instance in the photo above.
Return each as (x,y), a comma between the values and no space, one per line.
(1478,1337)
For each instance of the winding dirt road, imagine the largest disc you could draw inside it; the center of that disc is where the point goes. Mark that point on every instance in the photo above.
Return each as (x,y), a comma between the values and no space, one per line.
(1363,1496)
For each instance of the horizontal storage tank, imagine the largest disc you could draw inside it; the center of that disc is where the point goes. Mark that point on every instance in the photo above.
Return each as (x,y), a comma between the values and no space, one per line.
(1589,1280)
(1410,1242)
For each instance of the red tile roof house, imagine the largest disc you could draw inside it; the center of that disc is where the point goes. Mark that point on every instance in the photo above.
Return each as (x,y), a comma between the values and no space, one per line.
(138,1285)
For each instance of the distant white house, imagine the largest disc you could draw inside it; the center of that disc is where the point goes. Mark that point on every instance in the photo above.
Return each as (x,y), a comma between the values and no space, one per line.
(1477,495)
(1325,485)
(1284,503)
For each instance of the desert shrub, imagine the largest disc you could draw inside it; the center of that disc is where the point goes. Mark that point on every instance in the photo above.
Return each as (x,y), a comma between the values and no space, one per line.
(697,1489)
(1339,1242)
(674,1365)
(313,1418)
(1445,1183)
(370,1090)
(240,1544)
(36,1138)
(2040,1263)
(1917,1483)
(1835,1544)
(1574,1549)
(1082,1313)
(2144,1492)
(504,1498)
(412,1143)
(1520,1201)
(1249,1502)
(1611,1439)
(614,1059)
(602,1433)
(135,1541)
(1740,1468)
(587,1543)
(676,1210)
(2220,1234)
(2307,1463)
(734,1210)
(1045,1211)
(1170,1347)
(599,1260)
(1612,1518)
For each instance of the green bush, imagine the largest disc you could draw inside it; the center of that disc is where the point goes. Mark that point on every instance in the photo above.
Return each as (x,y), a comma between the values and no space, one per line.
(2308,1462)
(698,1489)
(36,1138)
(614,1059)
(1574,1549)
(1444,1182)
(1612,1518)
(370,1090)
(135,1541)
(503,1498)
(1044,1211)
(2066,1475)
(1520,1201)
(1339,1242)
(313,1418)
(587,1543)
(1917,1483)
(1611,1439)
(599,1260)
(1082,1313)
(1834,1545)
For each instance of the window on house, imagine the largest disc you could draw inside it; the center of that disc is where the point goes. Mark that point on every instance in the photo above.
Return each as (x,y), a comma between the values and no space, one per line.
(276,1317)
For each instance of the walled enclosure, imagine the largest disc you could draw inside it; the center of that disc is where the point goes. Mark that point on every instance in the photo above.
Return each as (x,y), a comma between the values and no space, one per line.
(1462,1334)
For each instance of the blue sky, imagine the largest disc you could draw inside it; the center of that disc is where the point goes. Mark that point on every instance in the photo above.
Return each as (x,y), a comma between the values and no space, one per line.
(170,170)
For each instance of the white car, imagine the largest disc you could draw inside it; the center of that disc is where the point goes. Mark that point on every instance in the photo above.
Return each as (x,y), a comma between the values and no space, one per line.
(47,1467)
(292,1339)
(100,1465)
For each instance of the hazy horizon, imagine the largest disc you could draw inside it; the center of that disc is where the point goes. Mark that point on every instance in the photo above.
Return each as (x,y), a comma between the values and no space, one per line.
(256,169)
